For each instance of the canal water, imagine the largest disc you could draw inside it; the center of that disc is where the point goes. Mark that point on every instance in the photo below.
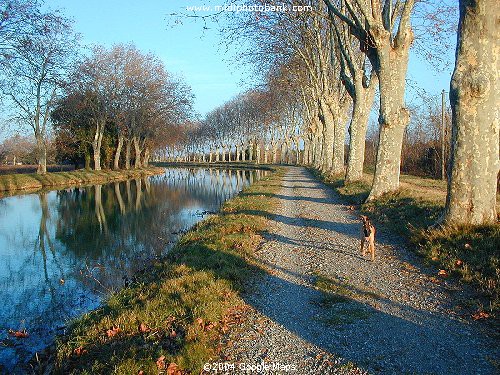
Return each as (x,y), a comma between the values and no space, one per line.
(63,251)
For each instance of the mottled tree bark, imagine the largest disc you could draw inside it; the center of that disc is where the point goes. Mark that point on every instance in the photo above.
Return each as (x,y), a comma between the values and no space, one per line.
(274,153)
(127,153)
(339,110)
(145,158)
(41,151)
(97,142)
(391,65)
(138,151)
(475,86)
(116,163)
(362,104)
(328,128)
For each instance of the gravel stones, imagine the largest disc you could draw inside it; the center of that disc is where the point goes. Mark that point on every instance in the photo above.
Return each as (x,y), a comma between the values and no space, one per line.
(390,316)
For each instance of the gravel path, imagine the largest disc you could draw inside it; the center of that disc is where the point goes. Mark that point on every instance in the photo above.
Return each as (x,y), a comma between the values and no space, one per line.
(390,316)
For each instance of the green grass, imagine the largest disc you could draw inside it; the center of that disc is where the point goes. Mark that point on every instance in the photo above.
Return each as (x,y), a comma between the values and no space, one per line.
(186,301)
(470,253)
(15,183)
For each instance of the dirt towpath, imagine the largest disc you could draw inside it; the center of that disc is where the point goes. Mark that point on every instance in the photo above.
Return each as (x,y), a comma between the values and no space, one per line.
(391,316)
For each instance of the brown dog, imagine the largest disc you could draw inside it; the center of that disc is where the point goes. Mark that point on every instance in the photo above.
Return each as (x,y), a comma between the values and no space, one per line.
(367,235)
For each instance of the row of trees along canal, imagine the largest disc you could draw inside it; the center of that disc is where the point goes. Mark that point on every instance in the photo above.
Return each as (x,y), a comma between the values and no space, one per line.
(112,105)
(324,66)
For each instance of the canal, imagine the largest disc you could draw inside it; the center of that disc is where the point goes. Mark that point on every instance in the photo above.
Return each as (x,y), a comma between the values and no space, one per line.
(63,251)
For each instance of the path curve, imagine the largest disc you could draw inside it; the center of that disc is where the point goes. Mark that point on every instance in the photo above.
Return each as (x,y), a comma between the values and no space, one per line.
(392,316)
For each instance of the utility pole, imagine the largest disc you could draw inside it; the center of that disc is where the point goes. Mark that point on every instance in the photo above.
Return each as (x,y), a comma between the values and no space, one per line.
(443,164)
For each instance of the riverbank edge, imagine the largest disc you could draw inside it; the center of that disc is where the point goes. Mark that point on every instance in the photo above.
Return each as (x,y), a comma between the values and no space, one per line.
(467,253)
(14,184)
(173,315)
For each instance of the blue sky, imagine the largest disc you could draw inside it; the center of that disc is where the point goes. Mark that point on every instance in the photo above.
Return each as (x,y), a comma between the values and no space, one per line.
(186,49)
(191,52)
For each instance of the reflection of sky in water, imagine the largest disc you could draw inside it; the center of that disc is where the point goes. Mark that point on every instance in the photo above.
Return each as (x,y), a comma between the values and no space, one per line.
(93,238)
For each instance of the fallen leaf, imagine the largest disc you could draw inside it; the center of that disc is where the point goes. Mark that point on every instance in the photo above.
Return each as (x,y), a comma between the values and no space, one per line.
(79,351)
(143,328)
(199,321)
(458,263)
(468,246)
(209,326)
(443,273)
(18,334)
(113,331)
(160,362)
(173,369)
(61,281)
(172,334)
(480,315)
(140,372)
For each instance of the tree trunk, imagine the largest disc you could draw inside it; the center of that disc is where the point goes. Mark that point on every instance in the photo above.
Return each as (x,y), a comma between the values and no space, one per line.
(42,157)
(257,153)
(339,111)
(138,152)
(275,153)
(243,153)
(362,104)
(145,159)
(127,154)
(250,151)
(237,153)
(116,163)
(328,122)
(96,145)
(475,84)
(318,151)
(391,65)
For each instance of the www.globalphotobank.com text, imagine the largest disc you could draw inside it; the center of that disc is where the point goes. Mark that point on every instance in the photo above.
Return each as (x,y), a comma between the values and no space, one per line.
(249,8)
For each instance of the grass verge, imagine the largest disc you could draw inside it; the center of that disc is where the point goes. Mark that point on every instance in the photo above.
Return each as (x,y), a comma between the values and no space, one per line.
(14,183)
(472,253)
(171,318)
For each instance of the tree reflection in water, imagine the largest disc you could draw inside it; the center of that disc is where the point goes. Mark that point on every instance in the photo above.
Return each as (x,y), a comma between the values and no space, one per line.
(64,250)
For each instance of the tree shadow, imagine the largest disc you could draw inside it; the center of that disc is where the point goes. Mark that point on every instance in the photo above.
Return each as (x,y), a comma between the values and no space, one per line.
(350,229)
(417,341)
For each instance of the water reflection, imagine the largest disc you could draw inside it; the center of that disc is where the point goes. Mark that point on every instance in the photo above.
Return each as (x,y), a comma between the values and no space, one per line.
(62,251)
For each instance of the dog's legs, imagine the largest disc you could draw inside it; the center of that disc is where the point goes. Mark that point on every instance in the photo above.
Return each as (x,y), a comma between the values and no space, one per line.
(372,248)
(362,245)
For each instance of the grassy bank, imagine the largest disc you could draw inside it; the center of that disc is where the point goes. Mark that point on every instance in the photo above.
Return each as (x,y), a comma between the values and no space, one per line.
(172,316)
(470,253)
(15,183)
